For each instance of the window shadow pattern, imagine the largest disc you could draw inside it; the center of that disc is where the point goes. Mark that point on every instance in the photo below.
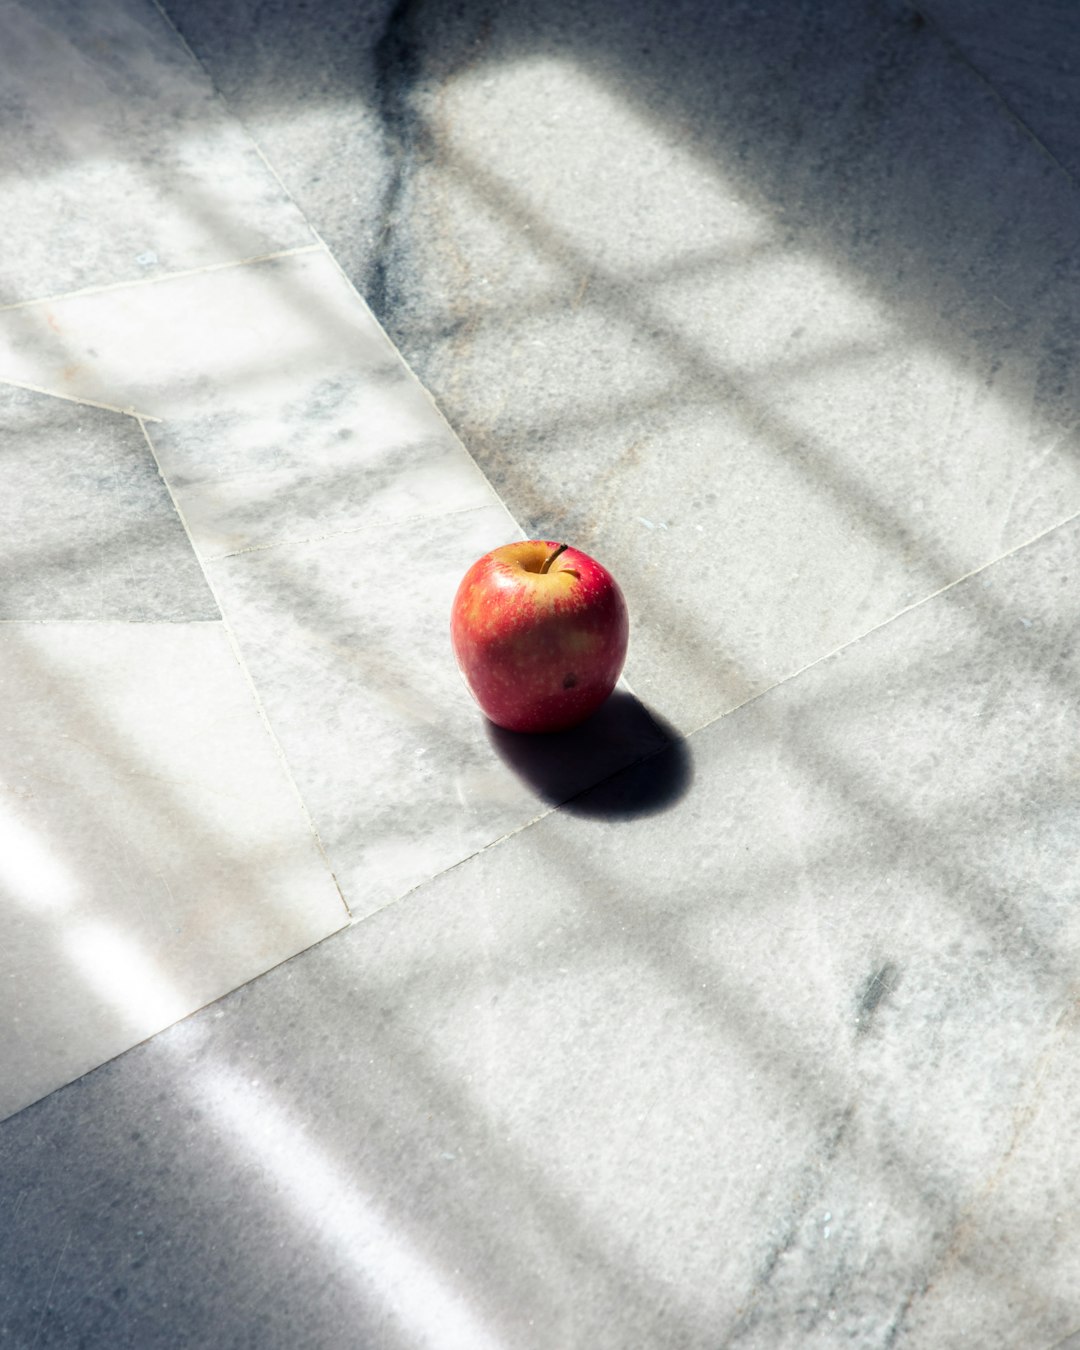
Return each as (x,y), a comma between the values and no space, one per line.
(149,1144)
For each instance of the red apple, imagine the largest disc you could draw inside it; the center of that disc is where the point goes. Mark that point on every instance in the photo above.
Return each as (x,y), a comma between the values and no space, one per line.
(539,631)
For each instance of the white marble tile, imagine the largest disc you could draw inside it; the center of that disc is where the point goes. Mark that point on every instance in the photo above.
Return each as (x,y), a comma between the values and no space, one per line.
(314,105)
(154,853)
(790,1065)
(1008,1272)
(347,640)
(789,285)
(787,1066)
(87,527)
(336,513)
(125,164)
(287,413)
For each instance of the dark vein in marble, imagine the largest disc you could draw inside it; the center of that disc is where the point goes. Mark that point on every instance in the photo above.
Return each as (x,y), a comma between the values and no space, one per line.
(959,1233)
(896,1327)
(806,1196)
(881,983)
(397,66)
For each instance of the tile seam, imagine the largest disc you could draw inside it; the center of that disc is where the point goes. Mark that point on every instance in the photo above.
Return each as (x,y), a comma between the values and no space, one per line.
(451,867)
(260,709)
(686,737)
(907,609)
(329,253)
(926,12)
(437,410)
(138,283)
(167,20)
(82,402)
(520,829)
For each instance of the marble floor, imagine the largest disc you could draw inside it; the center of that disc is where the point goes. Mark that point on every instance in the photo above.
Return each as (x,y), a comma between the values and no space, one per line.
(746,1015)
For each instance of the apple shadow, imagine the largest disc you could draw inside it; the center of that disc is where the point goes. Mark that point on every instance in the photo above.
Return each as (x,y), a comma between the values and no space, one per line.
(623,761)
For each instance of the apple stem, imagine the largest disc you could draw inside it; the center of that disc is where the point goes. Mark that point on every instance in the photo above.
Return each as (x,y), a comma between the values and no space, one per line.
(548,561)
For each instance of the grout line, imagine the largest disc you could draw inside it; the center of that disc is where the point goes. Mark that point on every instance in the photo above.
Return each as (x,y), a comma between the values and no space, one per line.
(526,825)
(451,867)
(266,162)
(925,10)
(420,384)
(176,32)
(319,246)
(322,245)
(140,282)
(256,699)
(682,737)
(916,604)
(85,402)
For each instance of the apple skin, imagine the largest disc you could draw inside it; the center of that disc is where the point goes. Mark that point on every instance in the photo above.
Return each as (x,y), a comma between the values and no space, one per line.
(539,651)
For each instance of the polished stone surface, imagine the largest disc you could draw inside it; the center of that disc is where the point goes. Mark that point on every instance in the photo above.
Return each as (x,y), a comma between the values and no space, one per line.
(110,124)
(154,853)
(335,513)
(733,296)
(1030,54)
(768,1042)
(790,1063)
(87,527)
(285,412)
(348,642)
(823,355)
(314,86)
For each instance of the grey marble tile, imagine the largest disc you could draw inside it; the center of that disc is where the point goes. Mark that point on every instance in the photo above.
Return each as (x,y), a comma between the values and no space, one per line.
(788,1064)
(87,527)
(286,412)
(1009,1272)
(120,162)
(153,853)
(1031,55)
(347,640)
(772,308)
(310,86)
(761,1062)
(336,513)
(821,352)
